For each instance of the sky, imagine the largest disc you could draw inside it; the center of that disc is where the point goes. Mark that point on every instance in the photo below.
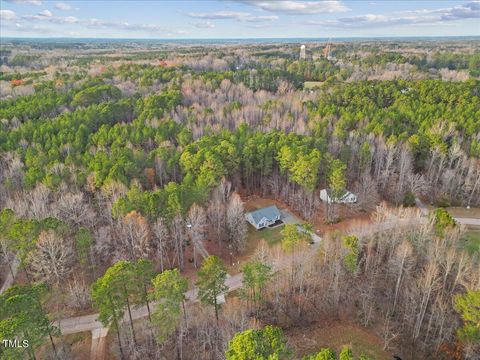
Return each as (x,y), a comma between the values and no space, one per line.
(192,19)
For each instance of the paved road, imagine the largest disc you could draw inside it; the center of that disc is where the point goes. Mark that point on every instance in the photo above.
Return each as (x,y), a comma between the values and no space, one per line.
(90,322)
(468,221)
(461,220)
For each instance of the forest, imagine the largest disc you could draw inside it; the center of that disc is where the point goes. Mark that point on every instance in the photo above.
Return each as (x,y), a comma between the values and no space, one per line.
(126,173)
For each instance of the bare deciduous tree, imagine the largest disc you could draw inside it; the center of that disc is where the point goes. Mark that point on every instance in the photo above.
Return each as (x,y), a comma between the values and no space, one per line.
(134,236)
(78,295)
(179,237)
(52,258)
(161,236)
(196,223)
(366,191)
(72,208)
(236,225)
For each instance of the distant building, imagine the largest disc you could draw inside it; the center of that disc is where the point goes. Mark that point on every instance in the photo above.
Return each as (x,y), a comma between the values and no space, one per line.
(262,218)
(303,53)
(346,198)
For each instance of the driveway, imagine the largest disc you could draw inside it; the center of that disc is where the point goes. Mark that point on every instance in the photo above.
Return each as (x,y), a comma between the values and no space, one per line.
(288,217)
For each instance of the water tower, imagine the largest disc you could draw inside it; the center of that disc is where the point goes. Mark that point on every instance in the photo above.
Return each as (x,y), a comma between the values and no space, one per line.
(302,52)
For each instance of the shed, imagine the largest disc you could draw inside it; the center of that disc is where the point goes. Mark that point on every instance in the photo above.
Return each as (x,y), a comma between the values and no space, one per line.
(347,197)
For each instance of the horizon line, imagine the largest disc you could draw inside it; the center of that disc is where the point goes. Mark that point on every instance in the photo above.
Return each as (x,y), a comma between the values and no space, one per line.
(240,38)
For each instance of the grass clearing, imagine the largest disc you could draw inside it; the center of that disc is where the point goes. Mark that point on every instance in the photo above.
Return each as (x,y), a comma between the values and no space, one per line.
(471,242)
(312,84)
(271,236)
(312,338)
(257,237)
(255,240)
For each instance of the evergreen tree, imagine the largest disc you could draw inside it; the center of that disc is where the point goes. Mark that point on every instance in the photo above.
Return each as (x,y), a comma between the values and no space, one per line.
(211,281)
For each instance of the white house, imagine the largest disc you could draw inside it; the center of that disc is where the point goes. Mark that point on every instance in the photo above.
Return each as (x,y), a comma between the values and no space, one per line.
(262,218)
(346,198)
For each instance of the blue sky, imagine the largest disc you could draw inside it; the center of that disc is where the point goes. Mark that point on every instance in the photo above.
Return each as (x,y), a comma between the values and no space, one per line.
(238,19)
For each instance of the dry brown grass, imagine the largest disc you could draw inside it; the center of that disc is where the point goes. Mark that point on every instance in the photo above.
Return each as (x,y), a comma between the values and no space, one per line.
(311,339)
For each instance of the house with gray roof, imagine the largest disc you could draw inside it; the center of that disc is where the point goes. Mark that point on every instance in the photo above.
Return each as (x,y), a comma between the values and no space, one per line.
(264,217)
(347,197)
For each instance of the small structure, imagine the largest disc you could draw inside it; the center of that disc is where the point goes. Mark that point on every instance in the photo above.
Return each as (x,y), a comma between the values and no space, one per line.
(346,198)
(303,53)
(263,218)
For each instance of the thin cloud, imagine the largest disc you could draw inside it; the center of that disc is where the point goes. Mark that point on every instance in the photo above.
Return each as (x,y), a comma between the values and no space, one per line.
(126,26)
(27,2)
(28,28)
(233,15)
(204,25)
(255,19)
(469,10)
(289,7)
(7,15)
(47,17)
(63,6)
(45,13)
(219,15)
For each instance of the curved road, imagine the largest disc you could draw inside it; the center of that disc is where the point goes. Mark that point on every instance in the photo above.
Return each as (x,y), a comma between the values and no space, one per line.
(90,322)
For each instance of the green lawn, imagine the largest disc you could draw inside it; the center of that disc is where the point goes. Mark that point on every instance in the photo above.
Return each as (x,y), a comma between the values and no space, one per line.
(271,236)
(471,242)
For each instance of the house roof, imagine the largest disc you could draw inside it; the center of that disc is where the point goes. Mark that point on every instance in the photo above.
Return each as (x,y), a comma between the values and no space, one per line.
(270,212)
(345,195)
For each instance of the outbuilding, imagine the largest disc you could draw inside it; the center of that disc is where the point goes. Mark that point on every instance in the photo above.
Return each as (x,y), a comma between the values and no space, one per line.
(346,198)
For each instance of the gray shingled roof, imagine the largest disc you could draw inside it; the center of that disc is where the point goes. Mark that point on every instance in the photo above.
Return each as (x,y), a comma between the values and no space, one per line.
(270,212)
(340,198)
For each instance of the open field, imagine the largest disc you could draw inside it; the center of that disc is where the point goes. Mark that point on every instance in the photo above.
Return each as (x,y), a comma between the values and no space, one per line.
(310,339)
(312,84)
